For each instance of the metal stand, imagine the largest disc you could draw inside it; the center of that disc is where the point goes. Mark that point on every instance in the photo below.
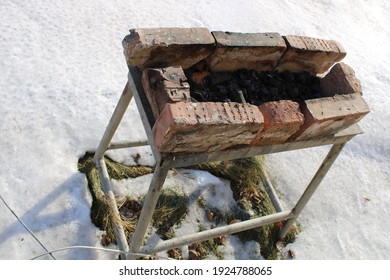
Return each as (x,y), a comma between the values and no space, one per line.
(166,161)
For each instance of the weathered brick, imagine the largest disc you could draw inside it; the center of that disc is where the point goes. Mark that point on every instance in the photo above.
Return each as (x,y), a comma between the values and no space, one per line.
(162,47)
(281,120)
(257,51)
(341,79)
(185,127)
(328,115)
(310,54)
(165,85)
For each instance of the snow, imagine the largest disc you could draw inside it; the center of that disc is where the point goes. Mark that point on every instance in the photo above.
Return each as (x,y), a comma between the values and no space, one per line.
(62,71)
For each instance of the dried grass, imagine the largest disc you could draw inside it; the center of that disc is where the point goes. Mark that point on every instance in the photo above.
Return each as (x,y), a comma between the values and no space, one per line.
(244,176)
(100,210)
(172,206)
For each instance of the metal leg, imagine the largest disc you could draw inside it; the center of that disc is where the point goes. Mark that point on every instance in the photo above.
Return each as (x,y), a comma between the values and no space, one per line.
(115,216)
(270,190)
(116,118)
(311,188)
(159,175)
(215,232)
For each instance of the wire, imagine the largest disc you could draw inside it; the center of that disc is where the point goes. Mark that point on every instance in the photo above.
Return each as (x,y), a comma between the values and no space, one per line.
(26,227)
(97,249)
(70,247)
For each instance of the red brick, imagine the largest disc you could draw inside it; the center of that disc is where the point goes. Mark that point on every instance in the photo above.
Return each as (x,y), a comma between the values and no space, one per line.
(163,47)
(165,85)
(341,79)
(310,54)
(281,120)
(185,127)
(257,51)
(329,115)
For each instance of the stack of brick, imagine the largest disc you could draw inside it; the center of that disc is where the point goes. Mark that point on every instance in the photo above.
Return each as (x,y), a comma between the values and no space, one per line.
(182,126)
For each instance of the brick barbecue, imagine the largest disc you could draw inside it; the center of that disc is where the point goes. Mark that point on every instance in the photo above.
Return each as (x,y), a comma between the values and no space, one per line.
(173,59)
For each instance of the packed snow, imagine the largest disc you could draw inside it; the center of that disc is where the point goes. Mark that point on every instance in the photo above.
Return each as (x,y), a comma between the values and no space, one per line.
(62,71)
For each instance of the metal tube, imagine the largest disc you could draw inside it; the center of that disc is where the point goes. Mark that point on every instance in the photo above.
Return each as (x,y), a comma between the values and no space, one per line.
(113,124)
(271,190)
(212,233)
(126,144)
(149,206)
(115,216)
(134,82)
(193,159)
(311,188)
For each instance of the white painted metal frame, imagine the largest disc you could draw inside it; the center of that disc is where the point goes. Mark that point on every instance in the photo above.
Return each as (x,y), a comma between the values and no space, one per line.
(166,161)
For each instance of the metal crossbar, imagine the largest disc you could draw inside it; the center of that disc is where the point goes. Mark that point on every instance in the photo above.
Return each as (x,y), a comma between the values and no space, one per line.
(164,162)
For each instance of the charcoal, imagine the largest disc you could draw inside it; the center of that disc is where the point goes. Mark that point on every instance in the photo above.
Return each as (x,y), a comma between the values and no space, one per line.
(251,89)
(264,92)
(221,91)
(288,76)
(303,77)
(293,92)
(198,96)
(220,78)
(254,87)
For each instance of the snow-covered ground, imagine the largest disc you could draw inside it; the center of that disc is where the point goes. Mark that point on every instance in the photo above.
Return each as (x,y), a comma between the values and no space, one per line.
(62,71)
